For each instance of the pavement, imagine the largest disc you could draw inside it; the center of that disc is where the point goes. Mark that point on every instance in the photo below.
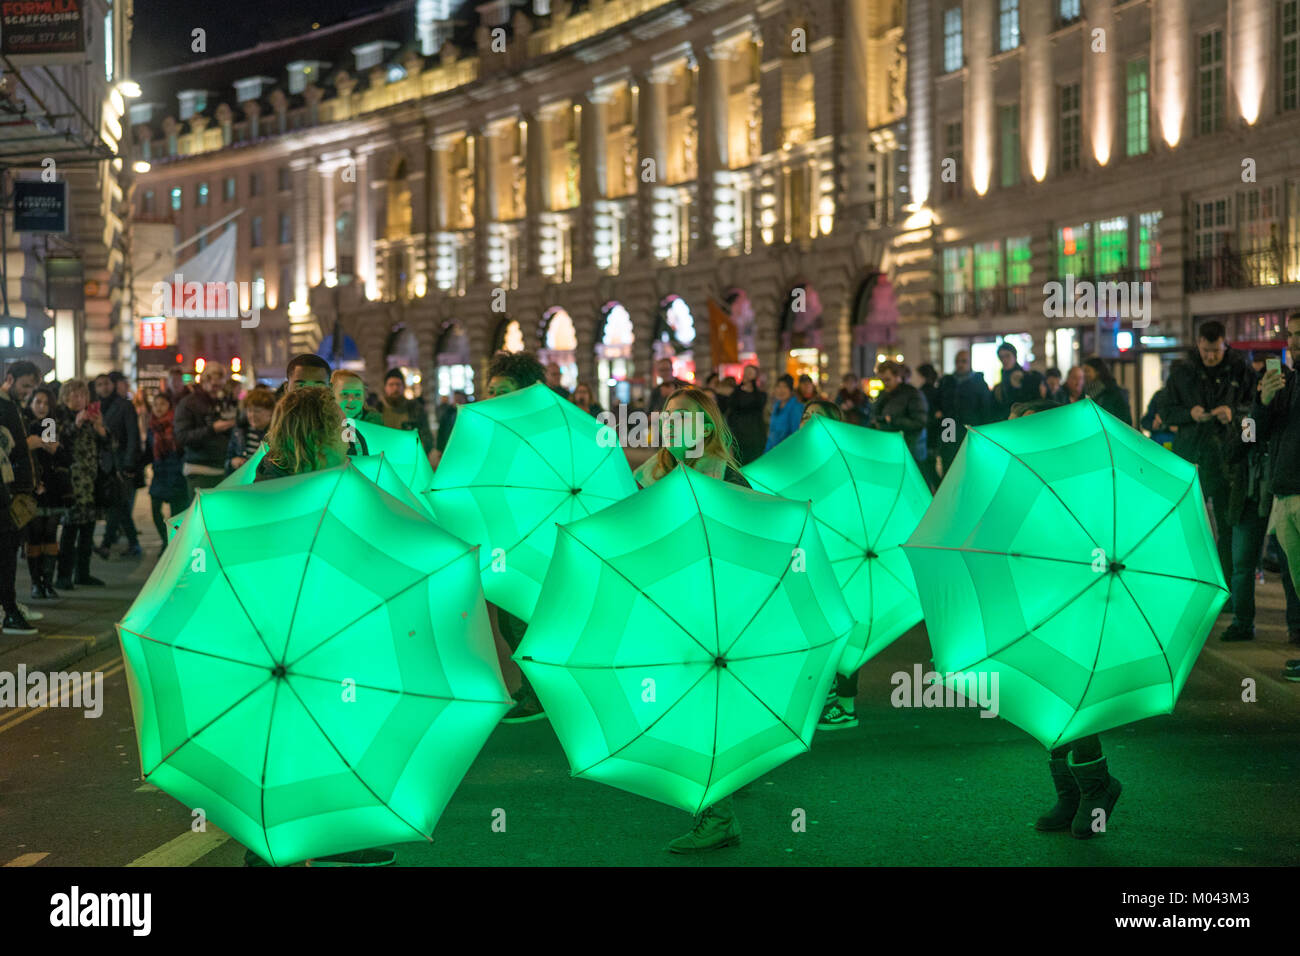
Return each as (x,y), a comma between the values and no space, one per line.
(1212,784)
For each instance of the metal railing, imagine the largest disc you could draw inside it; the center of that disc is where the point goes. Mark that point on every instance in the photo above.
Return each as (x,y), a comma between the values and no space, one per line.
(1257,268)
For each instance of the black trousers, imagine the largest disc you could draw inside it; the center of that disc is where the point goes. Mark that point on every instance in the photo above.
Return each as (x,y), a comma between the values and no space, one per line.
(512,630)
(119,519)
(10,540)
(74,550)
(175,507)
(1086,749)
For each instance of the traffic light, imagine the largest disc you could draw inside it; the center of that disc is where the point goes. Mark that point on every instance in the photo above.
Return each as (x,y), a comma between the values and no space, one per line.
(199,364)
(236,365)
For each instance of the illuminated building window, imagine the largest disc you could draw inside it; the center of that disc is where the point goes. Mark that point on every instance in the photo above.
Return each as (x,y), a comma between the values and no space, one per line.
(1111,254)
(202,194)
(1018,261)
(1289,58)
(988,265)
(1074,250)
(229,193)
(176,197)
(1009,144)
(1071,126)
(952,55)
(1210,83)
(1068,11)
(1008,25)
(1137,107)
(1148,240)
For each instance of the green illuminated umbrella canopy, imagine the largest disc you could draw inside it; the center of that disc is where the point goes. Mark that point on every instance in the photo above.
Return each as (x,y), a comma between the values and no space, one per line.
(515,467)
(867,495)
(404,452)
(682,645)
(311,664)
(1071,556)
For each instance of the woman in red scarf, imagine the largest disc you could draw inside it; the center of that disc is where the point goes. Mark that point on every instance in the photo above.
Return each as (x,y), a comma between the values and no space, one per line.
(168,483)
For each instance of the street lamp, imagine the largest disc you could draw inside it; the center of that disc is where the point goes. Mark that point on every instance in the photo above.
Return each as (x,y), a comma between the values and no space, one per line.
(129,88)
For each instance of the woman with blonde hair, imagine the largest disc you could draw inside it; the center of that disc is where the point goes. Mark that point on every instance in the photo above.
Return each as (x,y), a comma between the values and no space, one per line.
(694,433)
(80,428)
(306,434)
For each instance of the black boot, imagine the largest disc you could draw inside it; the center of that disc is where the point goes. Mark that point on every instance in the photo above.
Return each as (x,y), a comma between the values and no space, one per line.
(1098,790)
(1067,798)
(48,565)
(34,569)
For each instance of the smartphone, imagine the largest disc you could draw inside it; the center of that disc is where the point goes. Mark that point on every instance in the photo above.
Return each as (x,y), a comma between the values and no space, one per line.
(1273,364)
(93,409)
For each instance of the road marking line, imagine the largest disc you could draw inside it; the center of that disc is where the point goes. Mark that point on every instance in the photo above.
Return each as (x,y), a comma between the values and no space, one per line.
(185,849)
(88,638)
(27,713)
(27,859)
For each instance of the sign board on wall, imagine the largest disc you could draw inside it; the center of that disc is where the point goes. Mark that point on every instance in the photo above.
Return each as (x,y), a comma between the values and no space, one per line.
(40,206)
(43,31)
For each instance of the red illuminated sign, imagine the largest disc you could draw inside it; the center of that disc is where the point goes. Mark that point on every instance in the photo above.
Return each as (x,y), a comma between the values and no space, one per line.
(153,334)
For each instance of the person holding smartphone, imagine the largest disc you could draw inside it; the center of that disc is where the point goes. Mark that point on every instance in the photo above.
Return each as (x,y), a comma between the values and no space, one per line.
(204,419)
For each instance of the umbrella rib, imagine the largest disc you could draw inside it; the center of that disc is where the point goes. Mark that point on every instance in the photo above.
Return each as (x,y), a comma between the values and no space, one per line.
(614,753)
(1164,654)
(353,770)
(207,533)
(266,759)
(382,603)
(400,693)
(1155,527)
(599,465)
(779,719)
(775,587)
(191,650)
(1004,554)
(898,493)
(857,492)
(1046,484)
(293,617)
(662,610)
(1031,630)
(514,486)
(713,574)
(1114,482)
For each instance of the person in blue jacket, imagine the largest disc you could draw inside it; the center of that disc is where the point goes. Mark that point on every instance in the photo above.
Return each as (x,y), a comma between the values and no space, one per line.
(787,412)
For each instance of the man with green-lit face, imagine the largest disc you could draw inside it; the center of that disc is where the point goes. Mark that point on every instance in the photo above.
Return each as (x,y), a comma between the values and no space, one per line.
(307,370)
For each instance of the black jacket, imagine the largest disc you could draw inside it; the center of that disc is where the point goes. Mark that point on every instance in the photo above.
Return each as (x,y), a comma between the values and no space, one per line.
(1191,383)
(200,442)
(968,402)
(123,426)
(1278,425)
(1115,400)
(907,412)
(11,417)
(1005,394)
(745,419)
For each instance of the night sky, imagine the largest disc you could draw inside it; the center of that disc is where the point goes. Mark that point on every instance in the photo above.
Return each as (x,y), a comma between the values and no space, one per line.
(163,27)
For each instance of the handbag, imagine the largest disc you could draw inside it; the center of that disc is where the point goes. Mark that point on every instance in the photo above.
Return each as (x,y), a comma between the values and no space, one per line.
(22,509)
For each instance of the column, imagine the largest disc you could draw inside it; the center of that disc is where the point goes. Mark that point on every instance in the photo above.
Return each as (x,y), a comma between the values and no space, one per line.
(301,170)
(593,179)
(537,184)
(652,136)
(315,260)
(713,118)
(328,235)
(485,197)
(365,257)
(977,130)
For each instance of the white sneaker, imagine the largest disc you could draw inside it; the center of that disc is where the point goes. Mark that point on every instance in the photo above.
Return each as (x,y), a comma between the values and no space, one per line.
(31,615)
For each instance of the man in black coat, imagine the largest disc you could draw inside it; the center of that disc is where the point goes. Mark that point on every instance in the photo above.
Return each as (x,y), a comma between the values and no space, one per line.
(123,427)
(964,399)
(1207,394)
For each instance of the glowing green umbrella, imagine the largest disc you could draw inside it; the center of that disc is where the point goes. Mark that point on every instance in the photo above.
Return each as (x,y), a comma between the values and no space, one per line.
(1069,556)
(311,664)
(404,453)
(383,473)
(515,467)
(685,638)
(867,495)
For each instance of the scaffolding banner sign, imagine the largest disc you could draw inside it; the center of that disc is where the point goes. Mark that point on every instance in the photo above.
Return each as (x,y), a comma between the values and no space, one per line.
(40,206)
(43,31)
